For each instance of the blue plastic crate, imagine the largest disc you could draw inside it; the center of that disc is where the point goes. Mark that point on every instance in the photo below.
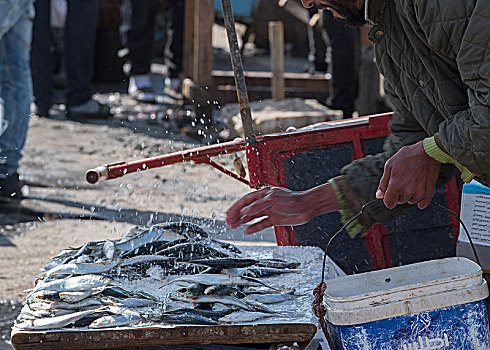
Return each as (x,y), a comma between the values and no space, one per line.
(243,10)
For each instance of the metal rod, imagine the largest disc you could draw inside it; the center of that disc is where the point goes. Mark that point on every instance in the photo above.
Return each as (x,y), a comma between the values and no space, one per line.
(198,155)
(236,62)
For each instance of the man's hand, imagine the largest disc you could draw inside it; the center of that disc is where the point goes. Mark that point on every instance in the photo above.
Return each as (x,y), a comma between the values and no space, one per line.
(281,207)
(409,177)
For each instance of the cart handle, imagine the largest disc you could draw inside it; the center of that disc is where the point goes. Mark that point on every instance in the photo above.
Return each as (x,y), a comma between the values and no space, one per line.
(199,155)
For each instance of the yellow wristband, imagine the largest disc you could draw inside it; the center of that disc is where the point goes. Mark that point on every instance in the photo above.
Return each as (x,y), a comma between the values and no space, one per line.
(433,150)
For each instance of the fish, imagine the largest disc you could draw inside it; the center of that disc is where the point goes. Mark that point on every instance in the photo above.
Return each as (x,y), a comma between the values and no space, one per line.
(81,269)
(109,249)
(242,316)
(224,290)
(148,259)
(133,242)
(268,271)
(85,249)
(121,317)
(54,322)
(187,229)
(272,298)
(225,263)
(278,264)
(130,302)
(74,284)
(183,249)
(184,318)
(73,297)
(83,304)
(213,314)
(216,279)
(226,300)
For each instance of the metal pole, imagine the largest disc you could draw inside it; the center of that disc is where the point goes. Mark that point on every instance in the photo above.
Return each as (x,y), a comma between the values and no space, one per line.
(236,61)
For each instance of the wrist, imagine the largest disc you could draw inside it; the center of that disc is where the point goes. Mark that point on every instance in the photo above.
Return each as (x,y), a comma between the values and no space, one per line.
(432,148)
(321,199)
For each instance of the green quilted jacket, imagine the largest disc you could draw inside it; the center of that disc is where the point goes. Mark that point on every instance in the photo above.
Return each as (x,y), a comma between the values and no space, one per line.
(435,58)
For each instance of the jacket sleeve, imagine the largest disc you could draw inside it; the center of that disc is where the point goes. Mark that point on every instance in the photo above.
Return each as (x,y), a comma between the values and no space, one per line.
(360,179)
(466,134)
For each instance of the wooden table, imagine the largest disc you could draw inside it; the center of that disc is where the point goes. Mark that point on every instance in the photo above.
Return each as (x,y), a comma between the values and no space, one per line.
(202,84)
(295,327)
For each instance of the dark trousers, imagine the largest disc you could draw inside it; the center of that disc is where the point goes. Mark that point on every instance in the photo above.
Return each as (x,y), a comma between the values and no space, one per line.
(175,38)
(80,29)
(137,32)
(345,58)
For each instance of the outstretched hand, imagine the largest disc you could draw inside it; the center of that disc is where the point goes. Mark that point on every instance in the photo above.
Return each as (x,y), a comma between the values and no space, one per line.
(280,207)
(409,177)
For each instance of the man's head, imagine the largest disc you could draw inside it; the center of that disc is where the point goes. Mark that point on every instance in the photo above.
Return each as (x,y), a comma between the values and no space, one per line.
(350,11)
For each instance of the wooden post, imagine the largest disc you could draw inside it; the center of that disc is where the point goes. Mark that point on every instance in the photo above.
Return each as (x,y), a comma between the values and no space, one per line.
(276,40)
(203,43)
(188,51)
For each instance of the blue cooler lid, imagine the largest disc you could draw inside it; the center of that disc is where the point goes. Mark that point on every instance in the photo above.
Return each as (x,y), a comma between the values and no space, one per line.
(403,290)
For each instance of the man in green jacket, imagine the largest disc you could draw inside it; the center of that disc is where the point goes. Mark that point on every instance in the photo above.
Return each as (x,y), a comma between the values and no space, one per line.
(435,58)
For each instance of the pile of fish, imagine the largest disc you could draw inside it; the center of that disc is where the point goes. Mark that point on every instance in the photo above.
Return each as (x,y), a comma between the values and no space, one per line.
(202,281)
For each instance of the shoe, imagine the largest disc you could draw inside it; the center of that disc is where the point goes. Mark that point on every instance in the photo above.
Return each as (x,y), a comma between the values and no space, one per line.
(89,110)
(11,188)
(40,112)
(140,88)
(173,84)
(145,95)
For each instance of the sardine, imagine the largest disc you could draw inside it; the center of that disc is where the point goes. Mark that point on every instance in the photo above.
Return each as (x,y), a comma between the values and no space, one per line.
(227,300)
(74,297)
(242,316)
(225,263)
(74,284)
(81,269)
(272,298)
(216,279)
(54,322)
(184,318)
(123,317)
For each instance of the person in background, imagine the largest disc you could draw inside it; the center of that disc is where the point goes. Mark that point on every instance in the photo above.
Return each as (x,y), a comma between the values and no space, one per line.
(15,91)
(80,30)
(137,33)
(344,57)
(434,58)
(174,46)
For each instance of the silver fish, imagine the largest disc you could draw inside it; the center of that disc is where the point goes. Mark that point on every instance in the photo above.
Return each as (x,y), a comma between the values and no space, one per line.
(81,269)
(141,238)
(86,303)
(122,317)
(54,322)
(74,297)
(227,300)
(242,316)
(272,298)
(184,318)
(216,279)
(109,249)
(73,284)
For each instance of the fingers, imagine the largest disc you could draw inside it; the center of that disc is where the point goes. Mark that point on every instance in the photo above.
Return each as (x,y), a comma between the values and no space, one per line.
(391,195)
(383,183)
(259,226)
(233,214)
